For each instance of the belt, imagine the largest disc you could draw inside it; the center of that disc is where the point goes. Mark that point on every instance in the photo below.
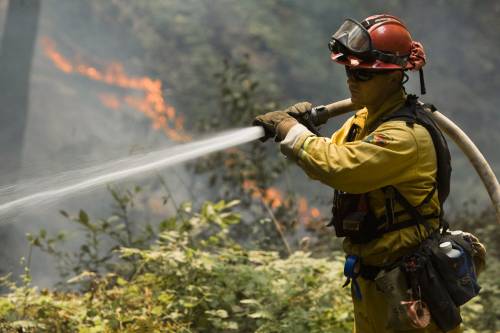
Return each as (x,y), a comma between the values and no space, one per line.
(368,272)
(354,268)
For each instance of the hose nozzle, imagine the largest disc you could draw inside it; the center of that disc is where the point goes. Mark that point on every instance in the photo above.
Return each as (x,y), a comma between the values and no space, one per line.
(320,114)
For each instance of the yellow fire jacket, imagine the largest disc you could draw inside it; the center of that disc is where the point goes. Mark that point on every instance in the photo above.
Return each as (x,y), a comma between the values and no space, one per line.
(392,154)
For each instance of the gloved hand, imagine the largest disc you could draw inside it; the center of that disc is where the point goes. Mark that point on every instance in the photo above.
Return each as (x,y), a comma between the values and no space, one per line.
(275,123)
(299,109)
(478,253)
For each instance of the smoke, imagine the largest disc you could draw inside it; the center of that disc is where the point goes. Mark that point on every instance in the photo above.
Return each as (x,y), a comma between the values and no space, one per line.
(73,121)
(71,126)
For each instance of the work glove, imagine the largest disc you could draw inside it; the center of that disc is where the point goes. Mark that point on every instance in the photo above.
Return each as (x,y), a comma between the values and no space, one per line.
(275,124)
(298,110)
(478,253)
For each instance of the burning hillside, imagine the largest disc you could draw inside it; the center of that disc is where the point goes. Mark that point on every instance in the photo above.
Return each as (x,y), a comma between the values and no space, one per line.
(162,115)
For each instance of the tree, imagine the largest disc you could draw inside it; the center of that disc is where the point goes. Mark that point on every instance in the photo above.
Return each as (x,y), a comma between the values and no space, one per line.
(15,67)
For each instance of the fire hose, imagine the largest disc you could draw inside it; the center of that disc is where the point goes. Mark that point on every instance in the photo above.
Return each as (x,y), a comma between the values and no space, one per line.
(320,114)
(68,183)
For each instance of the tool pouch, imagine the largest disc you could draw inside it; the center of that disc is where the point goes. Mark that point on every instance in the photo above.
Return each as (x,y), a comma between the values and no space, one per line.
(458,274)
(400,303)
(352,217)
(434,292)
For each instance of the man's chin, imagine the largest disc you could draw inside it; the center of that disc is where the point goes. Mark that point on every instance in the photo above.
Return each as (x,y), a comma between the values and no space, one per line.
(355,99)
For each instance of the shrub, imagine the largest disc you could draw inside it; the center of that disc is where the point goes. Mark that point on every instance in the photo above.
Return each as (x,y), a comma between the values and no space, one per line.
(188,283)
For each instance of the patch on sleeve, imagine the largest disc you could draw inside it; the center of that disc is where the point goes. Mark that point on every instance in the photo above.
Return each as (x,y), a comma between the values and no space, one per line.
(378,139)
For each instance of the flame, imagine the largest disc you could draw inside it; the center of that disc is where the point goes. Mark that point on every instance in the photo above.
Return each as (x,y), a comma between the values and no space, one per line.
(303,211)
(302,206)
(248,184)
(110,101)
(273,197)
(153,105)
(162,115)
(315,213)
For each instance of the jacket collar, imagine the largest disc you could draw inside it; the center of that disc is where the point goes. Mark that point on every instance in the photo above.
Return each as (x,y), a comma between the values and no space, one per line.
(391,104)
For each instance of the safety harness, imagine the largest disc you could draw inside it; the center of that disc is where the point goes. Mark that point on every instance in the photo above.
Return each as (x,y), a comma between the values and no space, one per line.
(352,215)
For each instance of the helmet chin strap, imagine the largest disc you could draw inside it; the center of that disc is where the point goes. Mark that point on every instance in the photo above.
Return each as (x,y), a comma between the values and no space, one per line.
(405,78)
(422,81)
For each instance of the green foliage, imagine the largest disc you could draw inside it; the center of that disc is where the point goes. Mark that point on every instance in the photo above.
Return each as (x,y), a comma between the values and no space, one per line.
(193,279)
(196,278)
(101,239)
(481,314)
(240,101)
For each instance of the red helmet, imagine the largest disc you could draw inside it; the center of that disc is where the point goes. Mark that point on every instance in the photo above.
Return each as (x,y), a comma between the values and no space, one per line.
(378,42)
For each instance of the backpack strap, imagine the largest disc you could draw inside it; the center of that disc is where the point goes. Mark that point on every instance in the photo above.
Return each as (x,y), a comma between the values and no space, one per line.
(416,217)
(413,112)
(353,131)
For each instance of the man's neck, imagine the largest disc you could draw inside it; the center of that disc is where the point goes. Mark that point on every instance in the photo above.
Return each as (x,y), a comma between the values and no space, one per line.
(392,103)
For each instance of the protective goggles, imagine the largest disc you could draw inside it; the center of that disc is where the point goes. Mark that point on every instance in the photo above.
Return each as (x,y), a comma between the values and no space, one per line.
(352,38)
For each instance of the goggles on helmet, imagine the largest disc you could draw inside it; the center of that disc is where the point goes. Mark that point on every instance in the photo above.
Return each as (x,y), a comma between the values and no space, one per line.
(353,39)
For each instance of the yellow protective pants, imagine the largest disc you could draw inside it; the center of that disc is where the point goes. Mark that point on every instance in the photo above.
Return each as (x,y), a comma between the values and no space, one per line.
(370,313)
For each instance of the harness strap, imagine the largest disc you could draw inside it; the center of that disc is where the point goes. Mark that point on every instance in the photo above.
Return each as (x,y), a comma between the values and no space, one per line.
(415,214)
(391,215)
(401,213)
(429,196)
(389,207)
(409,223)
(370,227)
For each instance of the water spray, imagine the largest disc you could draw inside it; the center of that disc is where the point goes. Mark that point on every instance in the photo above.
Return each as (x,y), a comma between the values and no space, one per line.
(66,184)
(86,179)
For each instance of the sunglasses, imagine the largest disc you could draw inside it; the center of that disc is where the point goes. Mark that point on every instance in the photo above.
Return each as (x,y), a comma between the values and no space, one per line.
(361,74)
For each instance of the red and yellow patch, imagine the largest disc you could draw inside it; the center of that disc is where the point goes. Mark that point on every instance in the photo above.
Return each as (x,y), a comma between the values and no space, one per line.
(378,139)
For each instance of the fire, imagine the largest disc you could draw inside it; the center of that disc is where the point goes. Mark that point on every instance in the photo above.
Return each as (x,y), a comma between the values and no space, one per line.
(163,116)
(110,101)
(273,197)
(315,213)
(153,105)
(303,211)
(302,206)
(306,214)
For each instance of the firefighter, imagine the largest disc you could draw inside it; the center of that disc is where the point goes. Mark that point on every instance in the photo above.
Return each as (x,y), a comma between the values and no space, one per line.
(383,171)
